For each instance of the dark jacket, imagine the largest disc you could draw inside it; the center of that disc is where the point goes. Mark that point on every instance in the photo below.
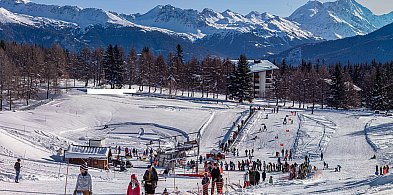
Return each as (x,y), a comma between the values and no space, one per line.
(215,174)
(151,178)
(263,175)
(205,180)
(257,176)
(17,166)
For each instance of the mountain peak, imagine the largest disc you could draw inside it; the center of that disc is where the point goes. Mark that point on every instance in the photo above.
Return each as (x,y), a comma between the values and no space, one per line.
(15,1)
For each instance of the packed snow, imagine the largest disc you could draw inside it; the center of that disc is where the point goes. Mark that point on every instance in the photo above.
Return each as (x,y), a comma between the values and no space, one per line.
(347,138)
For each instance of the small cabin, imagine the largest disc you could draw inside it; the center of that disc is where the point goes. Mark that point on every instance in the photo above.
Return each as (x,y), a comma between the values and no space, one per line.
(97,157)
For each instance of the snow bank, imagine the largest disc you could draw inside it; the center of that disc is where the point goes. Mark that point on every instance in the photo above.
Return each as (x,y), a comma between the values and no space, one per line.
(110,91)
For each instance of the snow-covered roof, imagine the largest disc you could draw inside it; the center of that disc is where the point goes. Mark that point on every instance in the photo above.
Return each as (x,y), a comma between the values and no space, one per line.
(259,65)
(355,87)
(86,152)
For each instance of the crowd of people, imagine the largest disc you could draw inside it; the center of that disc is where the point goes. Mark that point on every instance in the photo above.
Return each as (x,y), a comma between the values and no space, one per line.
(255,171)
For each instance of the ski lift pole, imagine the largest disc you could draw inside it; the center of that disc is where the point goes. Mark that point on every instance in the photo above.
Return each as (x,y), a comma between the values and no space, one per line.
(174,176)
(65,186)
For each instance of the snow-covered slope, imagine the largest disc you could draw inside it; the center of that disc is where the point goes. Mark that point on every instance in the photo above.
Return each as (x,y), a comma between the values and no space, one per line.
(340,19)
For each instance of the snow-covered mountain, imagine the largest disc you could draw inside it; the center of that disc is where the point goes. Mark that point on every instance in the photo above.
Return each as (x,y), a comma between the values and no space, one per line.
(71,14)
(339,19)
(218,33)
(209,22)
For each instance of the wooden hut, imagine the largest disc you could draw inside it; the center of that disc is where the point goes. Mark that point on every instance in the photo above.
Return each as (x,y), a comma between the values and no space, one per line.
(97,157)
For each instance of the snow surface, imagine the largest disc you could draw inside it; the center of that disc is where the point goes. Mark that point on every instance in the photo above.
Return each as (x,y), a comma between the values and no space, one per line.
(347,138)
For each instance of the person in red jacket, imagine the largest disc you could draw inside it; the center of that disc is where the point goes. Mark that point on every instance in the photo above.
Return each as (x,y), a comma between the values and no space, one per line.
(134,187)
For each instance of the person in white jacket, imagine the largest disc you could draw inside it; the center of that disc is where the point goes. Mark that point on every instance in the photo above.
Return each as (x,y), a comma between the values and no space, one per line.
(246,179)
(84,183)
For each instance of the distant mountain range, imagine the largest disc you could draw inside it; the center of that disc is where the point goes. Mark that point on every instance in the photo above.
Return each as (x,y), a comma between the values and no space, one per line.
(201,33)
(377,45)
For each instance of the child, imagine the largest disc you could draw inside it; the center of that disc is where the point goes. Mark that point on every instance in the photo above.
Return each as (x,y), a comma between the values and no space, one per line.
(134,187)
(205,184)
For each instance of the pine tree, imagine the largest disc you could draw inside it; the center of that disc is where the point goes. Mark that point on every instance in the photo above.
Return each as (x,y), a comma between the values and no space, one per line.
(337,88)
(240,87)
(131,67)
(113,66)
(379,99)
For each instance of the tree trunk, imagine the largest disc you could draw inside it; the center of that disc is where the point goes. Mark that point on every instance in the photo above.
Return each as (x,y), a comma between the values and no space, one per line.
(47,90)
(10,96)
(1,96)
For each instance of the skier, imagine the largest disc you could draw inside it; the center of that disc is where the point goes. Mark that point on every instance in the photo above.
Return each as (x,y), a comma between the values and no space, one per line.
(246,152)
(134,187)
(84,183)
(17,170)
(205,184)
(271,179)
(321,156)
(376,169)
(263,176)
(150,177)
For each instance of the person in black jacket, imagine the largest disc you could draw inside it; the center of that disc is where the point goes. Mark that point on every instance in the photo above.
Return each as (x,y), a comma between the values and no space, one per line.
(150,177)
(17,170)
(215,173)
(263,176)
(257,177)
(205,184)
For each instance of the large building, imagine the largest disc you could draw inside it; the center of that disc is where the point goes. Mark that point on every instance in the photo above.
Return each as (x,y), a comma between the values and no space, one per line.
(262,73)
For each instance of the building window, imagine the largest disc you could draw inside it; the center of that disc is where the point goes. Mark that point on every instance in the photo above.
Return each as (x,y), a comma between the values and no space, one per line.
(269,81)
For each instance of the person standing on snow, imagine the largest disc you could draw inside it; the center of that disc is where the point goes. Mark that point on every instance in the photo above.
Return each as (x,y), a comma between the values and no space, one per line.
(205,184)
(84,182)
(263,176)
(134,188)
(150,177)
(271,180)
(17,170)
(321,156)
(246,179)
(215,173)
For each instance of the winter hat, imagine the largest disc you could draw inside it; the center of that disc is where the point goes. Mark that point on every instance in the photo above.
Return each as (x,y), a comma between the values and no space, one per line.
(133,176)
(84,167)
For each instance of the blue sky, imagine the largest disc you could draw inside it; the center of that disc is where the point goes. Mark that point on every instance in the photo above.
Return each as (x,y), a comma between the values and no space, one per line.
(277,7)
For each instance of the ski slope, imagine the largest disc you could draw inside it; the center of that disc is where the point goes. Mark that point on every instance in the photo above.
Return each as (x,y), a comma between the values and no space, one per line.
(347,138)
